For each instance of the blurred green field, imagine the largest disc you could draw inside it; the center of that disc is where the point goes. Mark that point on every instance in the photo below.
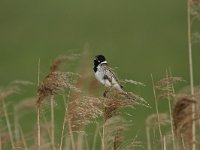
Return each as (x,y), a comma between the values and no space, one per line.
(138,37)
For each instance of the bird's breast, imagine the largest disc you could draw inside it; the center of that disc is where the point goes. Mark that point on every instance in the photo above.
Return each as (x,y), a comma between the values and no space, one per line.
(100,77)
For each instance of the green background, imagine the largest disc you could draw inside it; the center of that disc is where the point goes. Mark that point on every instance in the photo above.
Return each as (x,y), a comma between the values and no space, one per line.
(139,37)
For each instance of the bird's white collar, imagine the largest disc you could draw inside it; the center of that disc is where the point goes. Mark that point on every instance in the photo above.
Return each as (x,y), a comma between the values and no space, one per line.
(104,62)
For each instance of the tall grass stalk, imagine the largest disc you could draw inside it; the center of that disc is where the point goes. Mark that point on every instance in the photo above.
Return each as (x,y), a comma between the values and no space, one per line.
(52,122)
(173,134)
(155,98)
(183,143)
(45,121)
(148,137)
(8,124)
(95,136)
(67,143)
(16,124)
(170,111)
(103,138)
(191,72)
(23,139)
(38,128)
(64,121)
(164,143)
(62,134)
(38,109)
(71,136)
(80,140)
(86,142)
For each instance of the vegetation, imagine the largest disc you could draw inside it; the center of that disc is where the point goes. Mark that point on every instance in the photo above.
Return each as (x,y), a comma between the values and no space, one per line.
(92,121)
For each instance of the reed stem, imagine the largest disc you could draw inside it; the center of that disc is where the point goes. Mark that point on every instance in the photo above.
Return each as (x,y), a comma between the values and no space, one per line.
(38,109)
(52,122)
(8,124)
(191,73)
(170,111)
(148,138)
(155,98)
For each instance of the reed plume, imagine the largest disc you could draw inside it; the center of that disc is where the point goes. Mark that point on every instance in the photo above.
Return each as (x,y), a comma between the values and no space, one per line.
(183,120)
(113,102)
(165,86)
(83,111)
(56,81)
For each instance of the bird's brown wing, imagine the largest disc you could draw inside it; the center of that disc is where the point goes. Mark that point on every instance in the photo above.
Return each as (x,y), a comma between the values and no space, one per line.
(109,74)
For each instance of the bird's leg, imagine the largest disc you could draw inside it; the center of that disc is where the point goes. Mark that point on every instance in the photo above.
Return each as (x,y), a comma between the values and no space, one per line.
(105,92)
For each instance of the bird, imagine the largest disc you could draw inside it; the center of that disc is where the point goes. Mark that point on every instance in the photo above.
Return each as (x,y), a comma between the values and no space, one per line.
(105,75)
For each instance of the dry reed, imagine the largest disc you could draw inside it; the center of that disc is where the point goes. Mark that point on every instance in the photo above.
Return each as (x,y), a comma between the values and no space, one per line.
(56,81)
(53,84)
(113,102)
(193,14)
(84,110)
(10,89)
(183,119)
(157,112)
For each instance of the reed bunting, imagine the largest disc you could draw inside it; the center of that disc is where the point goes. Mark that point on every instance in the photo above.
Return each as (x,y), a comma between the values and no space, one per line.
(104,73)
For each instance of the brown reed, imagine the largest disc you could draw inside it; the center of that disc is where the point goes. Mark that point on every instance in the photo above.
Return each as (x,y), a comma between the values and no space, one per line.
(183,120)
(113,102)
(56,81)
(84,110)
(10,89)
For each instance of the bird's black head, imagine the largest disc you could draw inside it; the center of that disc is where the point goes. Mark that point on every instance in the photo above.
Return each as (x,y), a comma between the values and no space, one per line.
(98,60)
